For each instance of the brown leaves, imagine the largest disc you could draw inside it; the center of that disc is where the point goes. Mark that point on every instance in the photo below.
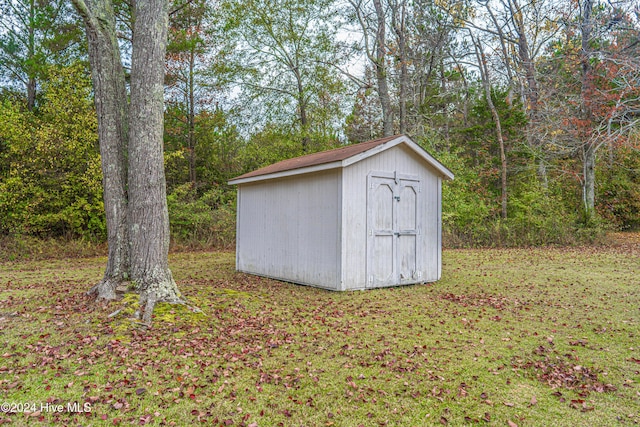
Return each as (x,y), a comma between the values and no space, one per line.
(561,371)
(481,300)
(580,404)
(287,354)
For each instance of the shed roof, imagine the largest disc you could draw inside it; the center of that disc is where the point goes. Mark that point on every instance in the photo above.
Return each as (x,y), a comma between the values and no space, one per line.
(339,157)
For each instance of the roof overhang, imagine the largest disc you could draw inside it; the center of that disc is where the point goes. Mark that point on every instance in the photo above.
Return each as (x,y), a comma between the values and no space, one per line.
(402,139)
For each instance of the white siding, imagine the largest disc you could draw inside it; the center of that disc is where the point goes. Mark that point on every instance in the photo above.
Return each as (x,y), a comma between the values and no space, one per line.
(354,203)
(289,229)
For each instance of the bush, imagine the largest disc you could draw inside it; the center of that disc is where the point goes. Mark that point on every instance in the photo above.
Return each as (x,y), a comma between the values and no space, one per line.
(50,184)
(536,217)
(202,222)
(618,190)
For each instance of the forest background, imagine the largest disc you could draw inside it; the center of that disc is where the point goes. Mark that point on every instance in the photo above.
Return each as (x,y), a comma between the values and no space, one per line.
(534,106)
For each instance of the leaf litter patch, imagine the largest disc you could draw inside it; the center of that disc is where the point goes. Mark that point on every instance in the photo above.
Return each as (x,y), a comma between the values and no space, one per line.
(497,302)
(561,371)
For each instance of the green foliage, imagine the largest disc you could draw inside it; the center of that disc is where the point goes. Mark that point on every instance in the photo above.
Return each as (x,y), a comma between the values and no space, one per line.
(52,181)
(618,192)
(208,220)
(284,58)
(464,200)
(478,135)
(217,152)
(281,57)
(34,36)
(537,215)
(216,144)
(274,144)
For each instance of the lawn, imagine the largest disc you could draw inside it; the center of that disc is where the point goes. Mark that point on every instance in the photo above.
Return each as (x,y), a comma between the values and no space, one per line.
(525,337)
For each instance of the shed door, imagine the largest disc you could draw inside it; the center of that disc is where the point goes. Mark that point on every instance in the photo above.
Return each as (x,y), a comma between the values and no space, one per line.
(393,229)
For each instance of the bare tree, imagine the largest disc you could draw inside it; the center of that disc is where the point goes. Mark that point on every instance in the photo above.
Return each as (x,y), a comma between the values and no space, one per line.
(399,23)
(588,148)
(372,20)
(522,31)
(486,84)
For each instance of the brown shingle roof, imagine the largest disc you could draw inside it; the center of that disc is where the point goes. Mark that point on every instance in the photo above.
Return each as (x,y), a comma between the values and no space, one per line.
(320,158)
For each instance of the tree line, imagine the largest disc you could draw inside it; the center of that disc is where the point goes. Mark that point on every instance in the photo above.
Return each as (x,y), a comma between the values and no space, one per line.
(533,105)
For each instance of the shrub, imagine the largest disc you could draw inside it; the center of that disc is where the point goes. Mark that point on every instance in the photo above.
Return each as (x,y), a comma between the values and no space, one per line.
(202,221)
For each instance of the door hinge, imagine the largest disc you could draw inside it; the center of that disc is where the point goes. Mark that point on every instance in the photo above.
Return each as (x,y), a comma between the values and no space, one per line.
(370,279)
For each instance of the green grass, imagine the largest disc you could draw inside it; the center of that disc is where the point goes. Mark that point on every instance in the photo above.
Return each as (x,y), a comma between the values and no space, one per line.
(528,336)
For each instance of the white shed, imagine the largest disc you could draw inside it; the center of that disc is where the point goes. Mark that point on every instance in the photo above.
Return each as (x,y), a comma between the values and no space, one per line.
(362,216)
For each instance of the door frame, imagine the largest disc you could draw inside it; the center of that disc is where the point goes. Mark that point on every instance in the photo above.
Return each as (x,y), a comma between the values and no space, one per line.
(397,179)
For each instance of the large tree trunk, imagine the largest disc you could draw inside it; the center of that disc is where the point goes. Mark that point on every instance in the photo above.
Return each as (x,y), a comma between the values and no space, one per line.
(148,214)
(111,107)
(135,198)
(381,71)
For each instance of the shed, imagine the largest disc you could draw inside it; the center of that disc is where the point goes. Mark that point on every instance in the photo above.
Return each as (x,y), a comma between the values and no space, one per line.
(361,216)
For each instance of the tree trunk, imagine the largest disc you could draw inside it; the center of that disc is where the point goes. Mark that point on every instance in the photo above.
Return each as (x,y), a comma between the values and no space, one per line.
(532,92)
(302,106)
(31,93)
(588,190)
(192,121)
(589,157)
(399,26)
(486,83)
(381,71)
(148,214)
(111,108)
(31,47)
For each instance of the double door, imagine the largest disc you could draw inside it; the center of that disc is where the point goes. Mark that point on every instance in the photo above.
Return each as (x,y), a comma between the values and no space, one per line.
(393,229)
